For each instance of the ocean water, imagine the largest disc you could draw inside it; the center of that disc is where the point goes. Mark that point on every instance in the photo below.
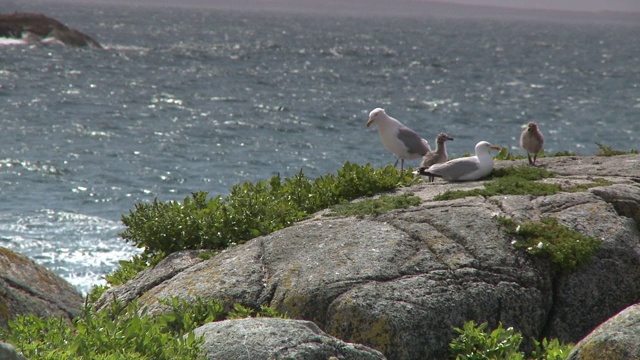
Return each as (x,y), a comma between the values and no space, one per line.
(184,100)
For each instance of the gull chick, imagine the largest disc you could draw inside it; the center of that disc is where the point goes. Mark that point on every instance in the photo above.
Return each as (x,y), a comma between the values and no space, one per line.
(397,138)
(438,156)
(531,140)
(466,168)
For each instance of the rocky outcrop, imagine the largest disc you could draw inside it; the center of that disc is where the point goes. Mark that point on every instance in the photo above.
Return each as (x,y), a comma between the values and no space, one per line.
(268,338)
(29,288)
(34,28)
(618,338)
(401,281)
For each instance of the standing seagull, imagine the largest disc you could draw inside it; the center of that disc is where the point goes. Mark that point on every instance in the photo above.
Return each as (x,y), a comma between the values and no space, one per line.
(466,168)
(531,140)
(397,138)
(438,156)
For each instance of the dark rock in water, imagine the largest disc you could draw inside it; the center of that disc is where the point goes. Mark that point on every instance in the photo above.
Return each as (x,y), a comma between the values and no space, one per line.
(29,288)
(34,28)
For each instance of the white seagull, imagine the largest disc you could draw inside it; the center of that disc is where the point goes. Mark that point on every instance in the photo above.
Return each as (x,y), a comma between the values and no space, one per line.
(466,168)
(397,138)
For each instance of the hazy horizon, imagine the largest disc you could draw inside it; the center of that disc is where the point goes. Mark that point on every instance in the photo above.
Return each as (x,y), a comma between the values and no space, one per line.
(364,5)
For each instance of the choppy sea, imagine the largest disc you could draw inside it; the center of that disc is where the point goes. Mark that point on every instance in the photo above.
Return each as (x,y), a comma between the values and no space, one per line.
(184,100)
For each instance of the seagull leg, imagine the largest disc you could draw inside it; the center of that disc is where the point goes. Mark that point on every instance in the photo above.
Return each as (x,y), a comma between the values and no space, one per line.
(530,161)
(401,165)
(396,163)
(535,157)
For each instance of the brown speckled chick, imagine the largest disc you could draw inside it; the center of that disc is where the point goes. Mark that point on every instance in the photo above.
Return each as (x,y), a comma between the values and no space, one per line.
(531,140)
(438,156)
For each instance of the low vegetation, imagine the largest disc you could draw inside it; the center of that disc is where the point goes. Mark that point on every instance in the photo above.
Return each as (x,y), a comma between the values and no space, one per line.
(374,206)
(567,249)
(519,180)
(122,332)
(608,151)
(475,342)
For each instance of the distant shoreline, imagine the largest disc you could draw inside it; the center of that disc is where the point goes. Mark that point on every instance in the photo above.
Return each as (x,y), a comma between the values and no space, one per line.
(376,8)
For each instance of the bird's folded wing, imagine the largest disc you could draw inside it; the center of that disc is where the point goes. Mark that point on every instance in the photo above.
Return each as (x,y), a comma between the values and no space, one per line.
(413,142)
(455,169)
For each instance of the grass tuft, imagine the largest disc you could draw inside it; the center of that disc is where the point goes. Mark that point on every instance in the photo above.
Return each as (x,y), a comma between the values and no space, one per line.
(374,206)
(517,180)
(608,151)
(567,249)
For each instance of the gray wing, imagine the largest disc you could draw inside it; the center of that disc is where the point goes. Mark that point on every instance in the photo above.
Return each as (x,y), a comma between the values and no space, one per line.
(412,141)
(455,169)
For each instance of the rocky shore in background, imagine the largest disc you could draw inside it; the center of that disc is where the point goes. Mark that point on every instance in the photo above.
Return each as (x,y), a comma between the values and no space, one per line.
(394,285)
(35,28)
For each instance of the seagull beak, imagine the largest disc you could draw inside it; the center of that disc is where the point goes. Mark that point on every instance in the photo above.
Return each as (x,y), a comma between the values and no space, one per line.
(496,147)
(369,122)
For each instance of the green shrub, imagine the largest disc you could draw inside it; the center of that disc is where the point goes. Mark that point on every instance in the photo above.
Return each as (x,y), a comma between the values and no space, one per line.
(122,331)
(551,350)
(118,332)
(476,343)
(563,153)
(374,206)
(504,154)
(567,249)
(608,151)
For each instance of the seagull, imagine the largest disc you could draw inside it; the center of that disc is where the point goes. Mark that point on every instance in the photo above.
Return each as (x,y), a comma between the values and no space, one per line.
(531,141)
(397,138)
(438,156)
(466,168)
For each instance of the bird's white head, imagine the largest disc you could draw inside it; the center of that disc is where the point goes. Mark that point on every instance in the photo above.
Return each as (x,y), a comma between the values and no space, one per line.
(485,146)
(532,126)
(375,114)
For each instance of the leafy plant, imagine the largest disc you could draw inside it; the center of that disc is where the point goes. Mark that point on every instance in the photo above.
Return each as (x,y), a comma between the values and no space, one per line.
(551,350)
(118,332)
(563,153)
(375,206)
(184,317)
(608,151)
(122,331)
(505,154)
(475,342)
(567,249)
